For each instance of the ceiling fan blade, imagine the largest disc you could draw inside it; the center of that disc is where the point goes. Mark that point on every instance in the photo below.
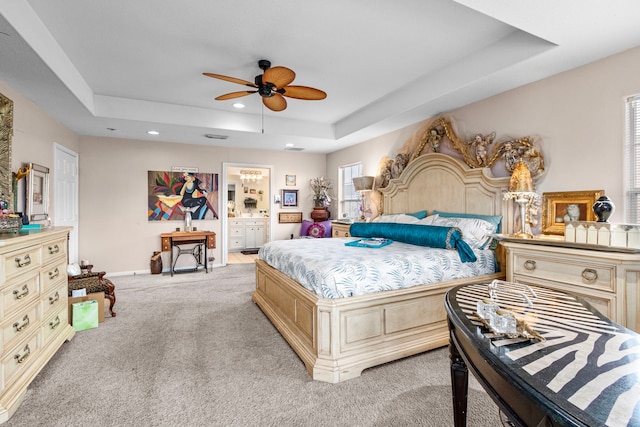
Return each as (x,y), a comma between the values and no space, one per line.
(279,76)
(275,102)
(304,92)
(231,79)
(235,94)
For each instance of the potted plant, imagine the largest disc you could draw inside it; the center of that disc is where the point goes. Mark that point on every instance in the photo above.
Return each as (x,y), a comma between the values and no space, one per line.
(322,195)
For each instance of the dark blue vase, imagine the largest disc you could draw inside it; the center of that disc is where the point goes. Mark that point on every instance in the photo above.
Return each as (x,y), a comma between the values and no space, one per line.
(603,208)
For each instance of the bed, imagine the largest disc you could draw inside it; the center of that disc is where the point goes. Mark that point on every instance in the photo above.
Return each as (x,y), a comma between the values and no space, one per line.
(337,338)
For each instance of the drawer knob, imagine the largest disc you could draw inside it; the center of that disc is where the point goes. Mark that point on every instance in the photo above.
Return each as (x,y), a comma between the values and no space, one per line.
(589,274)
(55,323)
(24,261)
(25,322)
(25,292)
(53,274)
(529,265)
(54,299)
(54,249)
(20,358)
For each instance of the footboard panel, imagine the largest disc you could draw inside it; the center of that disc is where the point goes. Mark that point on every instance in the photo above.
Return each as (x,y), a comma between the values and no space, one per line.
(337,339)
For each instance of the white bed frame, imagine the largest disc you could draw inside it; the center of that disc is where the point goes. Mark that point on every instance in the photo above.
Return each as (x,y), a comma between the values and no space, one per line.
(338,338)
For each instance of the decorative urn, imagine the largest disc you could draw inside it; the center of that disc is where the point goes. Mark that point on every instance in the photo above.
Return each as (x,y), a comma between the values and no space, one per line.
(603,208)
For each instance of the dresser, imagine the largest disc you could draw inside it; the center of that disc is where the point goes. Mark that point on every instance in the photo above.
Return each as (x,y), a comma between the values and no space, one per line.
(33,308)
(608,279)
(340,229)
(247,233)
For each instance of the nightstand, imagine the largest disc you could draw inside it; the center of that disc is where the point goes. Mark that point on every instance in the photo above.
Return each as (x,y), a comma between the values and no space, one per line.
(340,229)
(608,278)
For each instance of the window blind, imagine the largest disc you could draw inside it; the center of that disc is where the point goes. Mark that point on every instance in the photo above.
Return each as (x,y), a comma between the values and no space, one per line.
(348,196)
(632,154)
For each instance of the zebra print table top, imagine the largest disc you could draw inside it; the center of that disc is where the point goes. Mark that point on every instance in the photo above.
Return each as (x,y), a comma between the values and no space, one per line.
(589,366)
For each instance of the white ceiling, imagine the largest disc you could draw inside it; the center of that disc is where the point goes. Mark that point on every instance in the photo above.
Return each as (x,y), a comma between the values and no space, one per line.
(137,65)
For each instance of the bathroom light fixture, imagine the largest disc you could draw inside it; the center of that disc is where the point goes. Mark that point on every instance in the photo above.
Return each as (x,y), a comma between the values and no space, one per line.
(250,175)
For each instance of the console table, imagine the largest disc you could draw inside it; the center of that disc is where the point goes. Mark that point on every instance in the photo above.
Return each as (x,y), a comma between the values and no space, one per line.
(197,238)
(584,374)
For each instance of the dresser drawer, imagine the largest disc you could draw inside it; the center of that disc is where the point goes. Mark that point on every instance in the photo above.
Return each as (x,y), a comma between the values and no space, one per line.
(54,324)
(236,223)
(20,358)
(16,297)
(570,270)
(17,327)
(53,275)
(19,262)
(54,250)
(54,298)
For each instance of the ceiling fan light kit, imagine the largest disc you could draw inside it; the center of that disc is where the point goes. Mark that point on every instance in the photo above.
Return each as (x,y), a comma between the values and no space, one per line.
(272,86)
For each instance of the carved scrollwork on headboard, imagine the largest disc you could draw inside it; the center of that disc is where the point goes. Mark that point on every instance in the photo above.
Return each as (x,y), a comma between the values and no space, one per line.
(6,132)
(480,151)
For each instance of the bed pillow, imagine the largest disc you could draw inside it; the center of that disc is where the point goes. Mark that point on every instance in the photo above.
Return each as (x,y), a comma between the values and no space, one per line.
(396,219)
(476,232)
(493,219)
(428,220)
(419,214)
(315,229)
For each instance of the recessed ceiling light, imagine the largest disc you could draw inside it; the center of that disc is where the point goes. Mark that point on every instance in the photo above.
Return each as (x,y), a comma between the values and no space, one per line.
(238,105)
(214,136)
(153,132)
(111,129)
(289,145)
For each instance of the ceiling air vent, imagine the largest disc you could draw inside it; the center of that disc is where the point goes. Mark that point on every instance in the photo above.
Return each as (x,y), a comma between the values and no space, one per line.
(214,136)
(293,149)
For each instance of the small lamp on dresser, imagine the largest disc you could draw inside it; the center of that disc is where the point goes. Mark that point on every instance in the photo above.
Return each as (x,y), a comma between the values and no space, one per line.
(362,185)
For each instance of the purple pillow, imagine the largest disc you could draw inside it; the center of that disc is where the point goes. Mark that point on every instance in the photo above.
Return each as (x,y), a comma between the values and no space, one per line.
(315,229)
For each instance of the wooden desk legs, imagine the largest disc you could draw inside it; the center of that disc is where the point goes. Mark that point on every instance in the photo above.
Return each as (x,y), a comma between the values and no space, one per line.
(459,385)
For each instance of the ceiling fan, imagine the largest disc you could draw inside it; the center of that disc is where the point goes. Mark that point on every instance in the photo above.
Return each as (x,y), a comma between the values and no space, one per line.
(272,86)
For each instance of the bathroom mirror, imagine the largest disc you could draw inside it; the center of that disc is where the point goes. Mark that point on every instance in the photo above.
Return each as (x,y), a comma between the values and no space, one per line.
(6,132)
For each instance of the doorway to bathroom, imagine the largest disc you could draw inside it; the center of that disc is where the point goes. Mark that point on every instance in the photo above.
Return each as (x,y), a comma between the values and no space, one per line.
(247,225)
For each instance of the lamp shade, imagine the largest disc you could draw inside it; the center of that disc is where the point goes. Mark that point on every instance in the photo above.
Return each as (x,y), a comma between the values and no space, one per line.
(363,183)
(521,179)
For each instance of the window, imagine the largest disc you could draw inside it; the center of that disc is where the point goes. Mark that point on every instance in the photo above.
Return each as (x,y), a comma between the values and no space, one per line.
(349,198)
(633,156)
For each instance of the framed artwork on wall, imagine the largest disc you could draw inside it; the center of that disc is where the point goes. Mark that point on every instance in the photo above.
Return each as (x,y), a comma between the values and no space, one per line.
(37,203)
(289,198)
(289,217)
(558,208)
(290,180)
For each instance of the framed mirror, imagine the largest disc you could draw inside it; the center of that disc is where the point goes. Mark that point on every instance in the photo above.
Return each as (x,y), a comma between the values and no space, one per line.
(6,132)
(37,205)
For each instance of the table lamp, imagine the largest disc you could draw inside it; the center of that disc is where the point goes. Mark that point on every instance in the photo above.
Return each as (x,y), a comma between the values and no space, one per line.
(363,184)
(522,193)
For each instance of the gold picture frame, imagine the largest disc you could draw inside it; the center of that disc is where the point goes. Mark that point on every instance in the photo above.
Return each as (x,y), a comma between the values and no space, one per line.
(289,217)
(555,209)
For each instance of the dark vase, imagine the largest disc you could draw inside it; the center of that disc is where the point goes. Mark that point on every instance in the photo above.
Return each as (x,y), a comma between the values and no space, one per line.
(603,208)
(320,214)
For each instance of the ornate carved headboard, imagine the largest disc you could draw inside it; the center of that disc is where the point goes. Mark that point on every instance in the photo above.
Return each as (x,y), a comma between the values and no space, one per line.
(440,181)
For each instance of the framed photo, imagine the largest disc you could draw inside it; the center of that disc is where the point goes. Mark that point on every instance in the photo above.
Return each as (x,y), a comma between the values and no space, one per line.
(289,198)
(561,207)
(290,180)
(289,217)
(37,203)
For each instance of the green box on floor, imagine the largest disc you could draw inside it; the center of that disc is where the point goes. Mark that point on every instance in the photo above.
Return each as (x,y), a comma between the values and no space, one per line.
(85,315)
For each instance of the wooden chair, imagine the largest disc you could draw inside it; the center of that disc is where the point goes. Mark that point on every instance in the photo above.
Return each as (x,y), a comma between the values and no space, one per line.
(95,282)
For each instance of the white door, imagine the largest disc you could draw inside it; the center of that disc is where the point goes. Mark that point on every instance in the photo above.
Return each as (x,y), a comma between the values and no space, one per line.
(65,201)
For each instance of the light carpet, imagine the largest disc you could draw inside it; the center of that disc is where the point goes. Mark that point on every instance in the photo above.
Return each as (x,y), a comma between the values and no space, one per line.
(193,350)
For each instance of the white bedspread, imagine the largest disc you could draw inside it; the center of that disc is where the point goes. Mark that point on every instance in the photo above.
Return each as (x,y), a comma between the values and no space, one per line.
(333,270)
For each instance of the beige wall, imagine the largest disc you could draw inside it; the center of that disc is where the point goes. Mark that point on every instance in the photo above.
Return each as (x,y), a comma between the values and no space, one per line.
(33,136)
(113,194)
(578,116)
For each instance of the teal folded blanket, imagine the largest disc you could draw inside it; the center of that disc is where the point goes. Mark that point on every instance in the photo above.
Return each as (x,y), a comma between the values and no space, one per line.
(422,235)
